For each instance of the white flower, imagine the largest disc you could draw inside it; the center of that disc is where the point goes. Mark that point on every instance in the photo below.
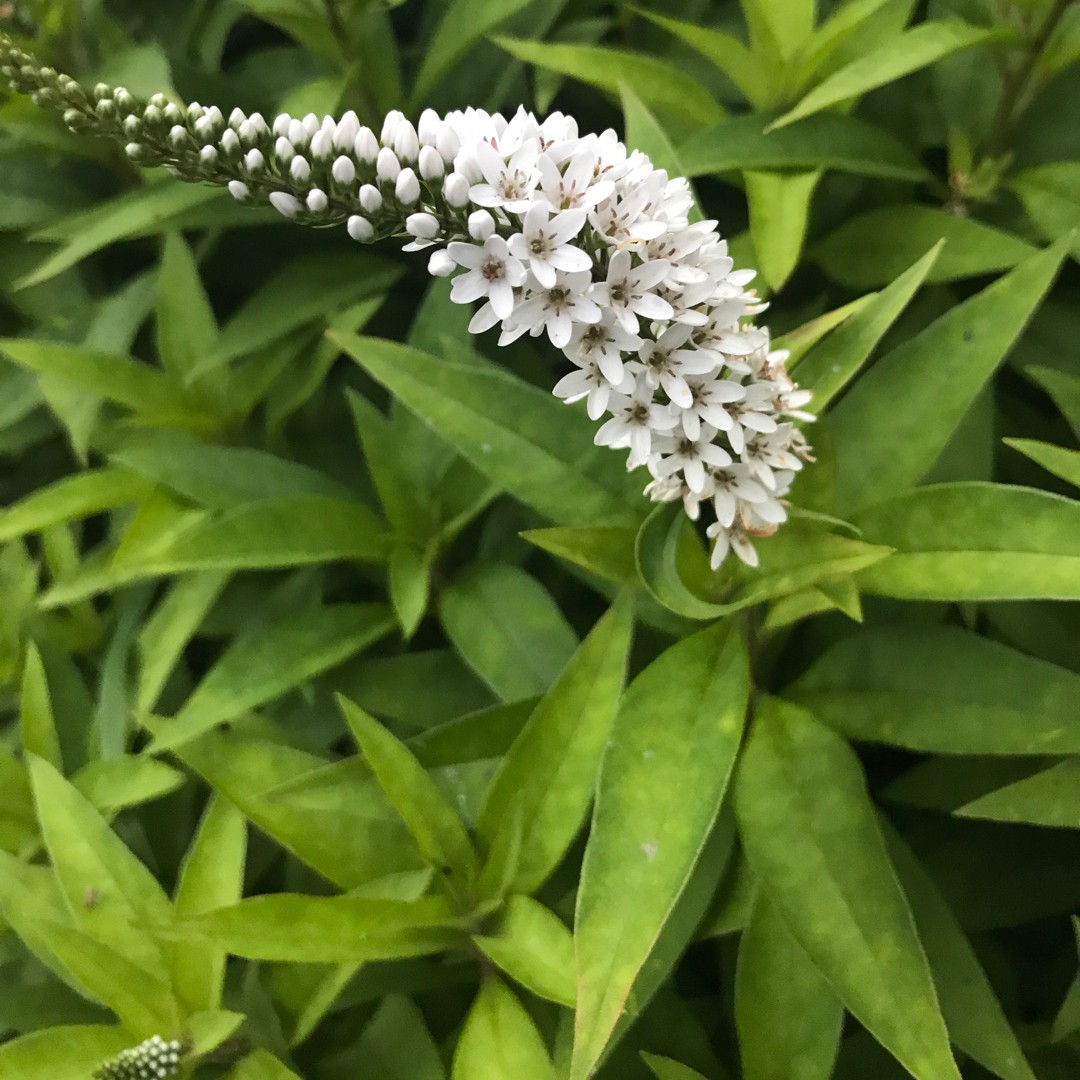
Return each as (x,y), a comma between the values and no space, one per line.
(627,291)
(492,272)
(665,364)
(573,187)
(591,382)
(709,400)
(556,309)
(731,485)
(635,419)
(605,342)
(509,184)
(730,539)
(691,457)
(544,243)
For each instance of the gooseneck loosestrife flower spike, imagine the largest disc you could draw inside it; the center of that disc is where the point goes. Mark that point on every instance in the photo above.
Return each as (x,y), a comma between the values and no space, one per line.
(154,1059)
(556,233)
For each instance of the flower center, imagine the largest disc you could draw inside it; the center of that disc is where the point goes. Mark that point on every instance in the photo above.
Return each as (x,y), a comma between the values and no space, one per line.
(493,270)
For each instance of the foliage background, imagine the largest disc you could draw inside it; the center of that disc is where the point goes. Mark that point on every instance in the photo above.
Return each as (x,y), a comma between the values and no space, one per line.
(215,521)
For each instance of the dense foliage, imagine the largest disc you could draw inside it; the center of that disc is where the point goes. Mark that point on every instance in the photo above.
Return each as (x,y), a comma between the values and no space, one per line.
(360,717)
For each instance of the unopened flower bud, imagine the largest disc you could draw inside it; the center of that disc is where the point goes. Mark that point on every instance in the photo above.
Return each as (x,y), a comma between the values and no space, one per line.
(456,190)
(237,117)
(300,170)
(427,128)
(173,114)
(159,101)
(407,187)
(431,163)
(230,142)
(348,128)
(344,171)
(447,143)
(103,91)
(283,150)
(284,203)
(322,145)
(281,124)
(317,202)
(481,225)
(371,198)
(134,150)
(365,146)
(360,229)
(423,226)
(254,161)
(132,126)
(152,115)
(440,264)
(387,166)
(406,142)
(239,190)
(155,1058)
(390,127)
(208,155)
(248,132)
(298,135)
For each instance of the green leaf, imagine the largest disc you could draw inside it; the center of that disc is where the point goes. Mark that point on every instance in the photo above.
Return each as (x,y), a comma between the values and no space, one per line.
(828,141)
(1051,197)
(118,783)
(941,690)
(260,1065)
(115,378)
(219,477)
(410,585)
(522,438)
(212,876)
(37,725)
(973,1014)
(894,423)
(167,633)
(186,328)
(644,132)
(1054,459)
(499,1039)
(727,53)
(269,661)
(608,552)
(76,496)
(788,1017)
(664,1068)
(1064,389)
(810,833)
(678,730)
(833,363)
(328,929)
(507,628)
(431,821)
(142,212)
(61,1053)
(1050,798)
(975,541)
(787,23)
(308,290)
(549,773)
(658,83)
(533,946)
(397,1045)
(872,249)
(908,51)
(463,24)
(779,211)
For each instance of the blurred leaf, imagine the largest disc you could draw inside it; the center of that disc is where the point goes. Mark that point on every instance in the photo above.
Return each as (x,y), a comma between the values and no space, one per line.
(305,20)
(1050,798)
(908,51)
(873,248)
(77,496)
(1051,197)
(533,946)
(37,726)
(410,585)
(787,23)
(973,1015)
(608,552)
(269,661)
(261,1065)
(893,424)
(810,834)
(779,210)
(119,783)
(433,824)
(61,1053)
(396,1044)
(665,1069)
(975,541)
(499,1039)
(788,1017)
(521,437)
(828,141)
(678,730)
(1064,389)
(212,876)
(328,929)
(186,328)
(833,363)
(507,628)
(548,775)
(645,133)
(657,82)
(1054,459)
(942,690)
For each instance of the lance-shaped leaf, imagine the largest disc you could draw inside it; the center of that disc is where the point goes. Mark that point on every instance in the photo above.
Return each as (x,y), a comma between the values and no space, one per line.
(518,435)
(973,1014)
(1050,798)
(1055,459)
(787,1015)
(328,929)
(212,876)
(266,663)
(894,423)
(779,212)
(812,838)
(37,725)
(899,56)
(664,1068)
(678,731)
(942,690)
(547,778)
(499,1039)
(432,822)
(975,541)
(62,1053)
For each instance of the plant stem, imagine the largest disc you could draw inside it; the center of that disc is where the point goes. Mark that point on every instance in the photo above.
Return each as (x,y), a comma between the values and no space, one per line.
(337,27)
(1017,83)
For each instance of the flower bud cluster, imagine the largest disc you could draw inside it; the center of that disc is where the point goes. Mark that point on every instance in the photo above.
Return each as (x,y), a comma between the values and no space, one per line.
(556,233)
(154,1059)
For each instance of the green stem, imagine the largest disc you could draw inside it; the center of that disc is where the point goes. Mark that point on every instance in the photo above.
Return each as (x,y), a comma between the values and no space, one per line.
(1017,83)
